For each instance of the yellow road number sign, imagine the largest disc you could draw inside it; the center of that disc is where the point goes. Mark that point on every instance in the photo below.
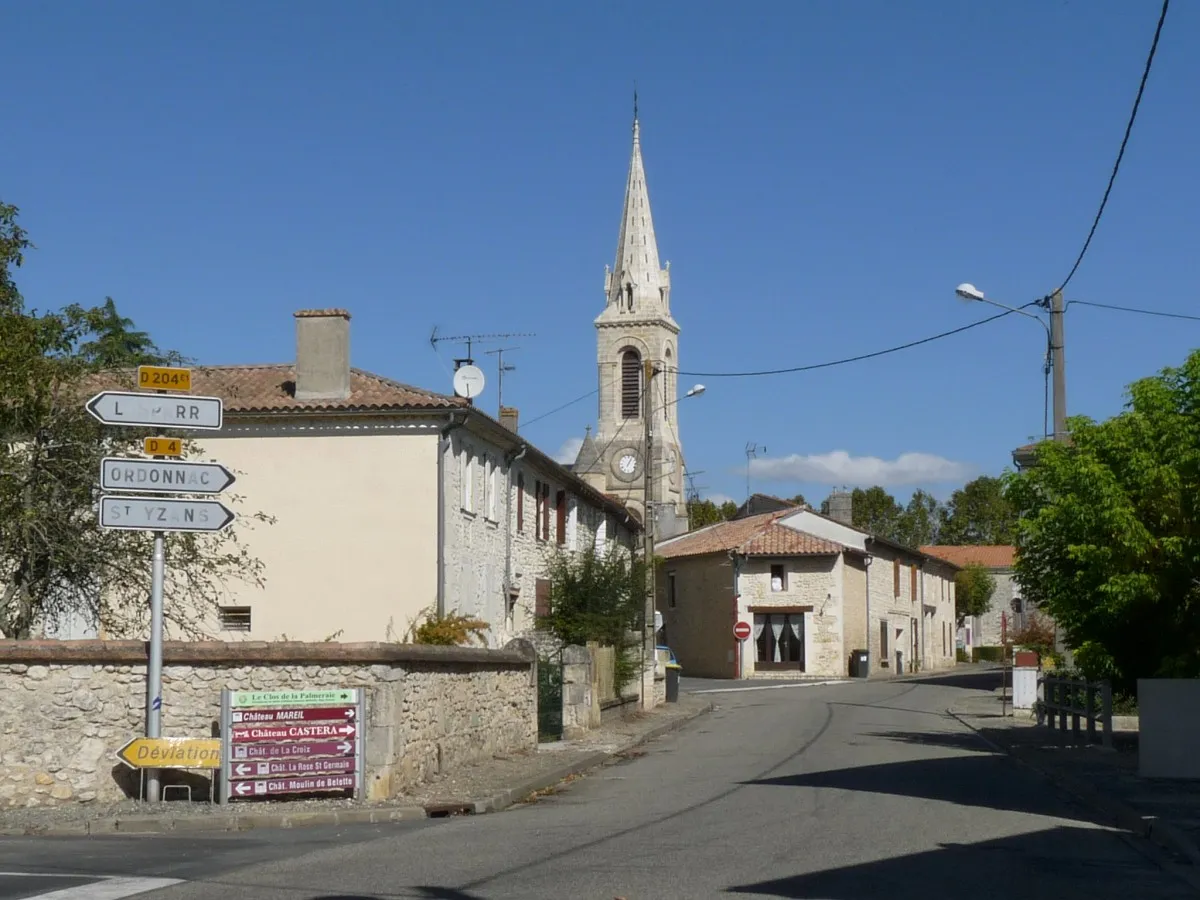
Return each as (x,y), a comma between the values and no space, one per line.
(171,753)
(162,446)
(164,378)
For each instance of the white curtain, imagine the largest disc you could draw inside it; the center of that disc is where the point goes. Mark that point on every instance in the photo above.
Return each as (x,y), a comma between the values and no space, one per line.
(798,628)
(778,630)
(759,624)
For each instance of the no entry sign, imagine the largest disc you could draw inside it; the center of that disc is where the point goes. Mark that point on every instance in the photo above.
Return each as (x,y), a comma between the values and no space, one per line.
(741,631)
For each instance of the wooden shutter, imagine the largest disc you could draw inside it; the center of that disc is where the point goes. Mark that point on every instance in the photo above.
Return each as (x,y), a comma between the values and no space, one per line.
(913,582)
(631,384)
(541,597)
(560,509)
(896,577)
(520,502)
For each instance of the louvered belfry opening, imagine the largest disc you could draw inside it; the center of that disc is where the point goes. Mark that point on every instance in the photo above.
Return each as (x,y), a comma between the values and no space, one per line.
(631,384)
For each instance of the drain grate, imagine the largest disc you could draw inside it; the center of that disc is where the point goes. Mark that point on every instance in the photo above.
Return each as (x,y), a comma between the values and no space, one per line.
(444,810)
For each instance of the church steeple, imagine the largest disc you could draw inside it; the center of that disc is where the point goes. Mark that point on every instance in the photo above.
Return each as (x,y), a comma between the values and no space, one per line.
(636,284)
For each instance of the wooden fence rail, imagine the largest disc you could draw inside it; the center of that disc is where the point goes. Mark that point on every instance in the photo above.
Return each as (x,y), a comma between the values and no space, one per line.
(1087,700)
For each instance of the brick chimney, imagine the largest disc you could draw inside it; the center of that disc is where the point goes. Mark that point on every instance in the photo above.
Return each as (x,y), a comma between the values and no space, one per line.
(322,354)
(840,507)
(508,417)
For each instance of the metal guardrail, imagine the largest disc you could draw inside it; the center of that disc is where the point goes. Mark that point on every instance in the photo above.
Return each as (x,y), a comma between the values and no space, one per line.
(1090,701)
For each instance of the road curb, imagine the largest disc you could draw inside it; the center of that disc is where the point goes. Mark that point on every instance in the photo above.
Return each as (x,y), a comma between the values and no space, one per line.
(1124,815)
(513,795)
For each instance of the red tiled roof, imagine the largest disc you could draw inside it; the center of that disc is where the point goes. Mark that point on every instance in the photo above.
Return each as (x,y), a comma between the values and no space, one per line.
(759,535)
(991,556)
(272,389)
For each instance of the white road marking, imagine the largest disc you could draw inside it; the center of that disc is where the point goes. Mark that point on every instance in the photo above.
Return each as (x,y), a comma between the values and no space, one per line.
(768,687)
(104,888)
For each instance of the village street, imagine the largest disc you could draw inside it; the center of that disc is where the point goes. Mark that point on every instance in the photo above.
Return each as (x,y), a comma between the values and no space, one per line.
(839,792)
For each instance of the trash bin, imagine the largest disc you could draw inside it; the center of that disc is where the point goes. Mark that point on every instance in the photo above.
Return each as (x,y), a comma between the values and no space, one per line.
(673,670)
(860,663)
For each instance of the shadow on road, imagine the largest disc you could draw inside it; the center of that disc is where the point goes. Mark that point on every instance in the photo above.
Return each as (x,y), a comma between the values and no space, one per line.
(1069,862)
(978,680)
(432,893)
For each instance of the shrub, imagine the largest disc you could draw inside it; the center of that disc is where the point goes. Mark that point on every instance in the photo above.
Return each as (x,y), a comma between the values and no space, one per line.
(988,654)
(447,630)
(1037,635)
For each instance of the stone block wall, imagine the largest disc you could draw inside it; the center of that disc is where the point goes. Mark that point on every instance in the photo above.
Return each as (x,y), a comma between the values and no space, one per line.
(70,705)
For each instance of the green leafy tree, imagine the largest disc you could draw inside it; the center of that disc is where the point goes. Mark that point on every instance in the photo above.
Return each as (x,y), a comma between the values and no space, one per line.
(728,510)
(876,511)
(1109,537)
(973,589)
(702,513)
(799,500)
(919,523)
(113,342)
(54,558)
(979,513)
(597,596)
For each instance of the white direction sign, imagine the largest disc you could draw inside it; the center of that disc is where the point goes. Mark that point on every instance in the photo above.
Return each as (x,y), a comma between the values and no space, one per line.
(163,476)
(163,410)
(163,514)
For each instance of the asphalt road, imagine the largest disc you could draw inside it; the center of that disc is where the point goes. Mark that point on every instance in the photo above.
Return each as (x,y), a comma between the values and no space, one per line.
(842,792)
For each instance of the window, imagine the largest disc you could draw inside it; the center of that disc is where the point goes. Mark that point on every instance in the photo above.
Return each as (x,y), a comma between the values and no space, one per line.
(234,618)
(489,488)
(467,475)
(670,590)
(560,518)
(883,643)
(520,502)
(779,641)
(778,578)
(896,577)
(601,543)
(572,523)
(631,384)
(545,511)
(944,653)
(912,583)
(541,597)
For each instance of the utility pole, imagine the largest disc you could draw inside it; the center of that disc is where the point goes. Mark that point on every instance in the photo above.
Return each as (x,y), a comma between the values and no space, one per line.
(1059,361)
(649,657)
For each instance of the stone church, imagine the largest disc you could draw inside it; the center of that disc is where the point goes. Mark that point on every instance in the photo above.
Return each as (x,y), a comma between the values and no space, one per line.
(636,327)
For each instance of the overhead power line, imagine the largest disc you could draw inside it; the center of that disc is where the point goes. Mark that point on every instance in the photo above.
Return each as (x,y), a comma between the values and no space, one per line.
(1137,102)
(1133,309)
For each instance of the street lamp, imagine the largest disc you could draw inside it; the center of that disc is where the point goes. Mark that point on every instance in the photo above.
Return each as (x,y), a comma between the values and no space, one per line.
(648,521)
(1055,355)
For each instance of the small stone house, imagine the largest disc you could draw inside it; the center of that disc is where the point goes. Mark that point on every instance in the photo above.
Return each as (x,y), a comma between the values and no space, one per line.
(811,589)
(389,500)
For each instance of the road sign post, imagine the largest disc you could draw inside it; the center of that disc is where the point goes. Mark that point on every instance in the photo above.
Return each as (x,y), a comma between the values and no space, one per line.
(133,410)
(163,476)
(741,631)
(160,514)
(171,753)
(162,446)
(164,378)
(278,743)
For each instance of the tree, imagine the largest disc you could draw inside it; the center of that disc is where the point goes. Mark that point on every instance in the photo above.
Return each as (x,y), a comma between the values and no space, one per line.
(597,596)
(728,510)
(702,513)
(54,558)
(13,244)
(799,500)
(876,511)
(918,523)
(973,589)
(115,343)
(978,513)
(1109,537)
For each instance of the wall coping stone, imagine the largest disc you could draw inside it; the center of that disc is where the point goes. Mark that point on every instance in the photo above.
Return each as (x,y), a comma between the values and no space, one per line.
(241,653)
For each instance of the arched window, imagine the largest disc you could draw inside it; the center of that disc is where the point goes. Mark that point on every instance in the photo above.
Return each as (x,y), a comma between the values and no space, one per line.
(668,382)
(631,384)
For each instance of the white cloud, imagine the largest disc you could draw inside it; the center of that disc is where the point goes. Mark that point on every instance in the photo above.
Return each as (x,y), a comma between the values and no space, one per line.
(568,451)
(839,467)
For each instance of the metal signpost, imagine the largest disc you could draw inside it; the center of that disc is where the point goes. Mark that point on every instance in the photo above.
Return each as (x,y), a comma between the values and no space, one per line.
(741,631)
(276,743)
(159,514)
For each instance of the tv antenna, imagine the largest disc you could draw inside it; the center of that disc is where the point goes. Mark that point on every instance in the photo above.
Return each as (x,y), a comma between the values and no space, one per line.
(501,368)
(693,489)
(470,340)
(752,451)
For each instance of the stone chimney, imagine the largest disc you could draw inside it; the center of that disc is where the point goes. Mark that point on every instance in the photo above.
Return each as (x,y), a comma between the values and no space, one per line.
(508,417)
(322,354)
(840,507)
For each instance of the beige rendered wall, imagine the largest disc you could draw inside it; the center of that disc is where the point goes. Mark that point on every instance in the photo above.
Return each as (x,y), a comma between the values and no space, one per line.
(700,627)
(811,581)
(854,605)
(354,545)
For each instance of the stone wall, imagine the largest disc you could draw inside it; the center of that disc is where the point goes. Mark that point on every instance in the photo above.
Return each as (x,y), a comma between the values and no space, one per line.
(70,705)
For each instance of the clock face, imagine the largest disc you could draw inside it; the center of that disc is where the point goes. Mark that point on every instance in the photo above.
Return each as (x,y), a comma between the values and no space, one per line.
(628,463)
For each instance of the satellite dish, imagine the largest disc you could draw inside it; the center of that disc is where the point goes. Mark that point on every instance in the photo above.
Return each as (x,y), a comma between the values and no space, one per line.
(468,381)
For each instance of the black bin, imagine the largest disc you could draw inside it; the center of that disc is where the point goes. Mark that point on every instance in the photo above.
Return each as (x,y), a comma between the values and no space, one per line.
(860,663)
(673,671)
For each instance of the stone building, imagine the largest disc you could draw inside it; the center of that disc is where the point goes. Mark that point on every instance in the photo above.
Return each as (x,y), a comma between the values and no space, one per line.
(634,328)
(1008,611)
(812,589)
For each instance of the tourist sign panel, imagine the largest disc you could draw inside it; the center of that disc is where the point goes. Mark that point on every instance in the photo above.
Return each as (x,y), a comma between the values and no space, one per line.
(278,743)
(163,514)
(171,753)
(136,410)
(163,476)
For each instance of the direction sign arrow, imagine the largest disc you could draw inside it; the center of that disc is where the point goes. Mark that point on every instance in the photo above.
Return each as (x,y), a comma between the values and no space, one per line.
(275,768)
(142,410)
(293,785)
(171,753)
(293,698)
(302,714)
(163,514)
(244,733)
(163,476)
(297,750)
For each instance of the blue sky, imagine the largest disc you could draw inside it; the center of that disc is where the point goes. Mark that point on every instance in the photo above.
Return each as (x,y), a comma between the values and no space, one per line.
(822,175)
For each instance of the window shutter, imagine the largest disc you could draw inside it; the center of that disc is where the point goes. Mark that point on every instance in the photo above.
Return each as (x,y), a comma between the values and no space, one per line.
(913,582)
(541,598)
(520,502)
(560,510)
(896,577)
(545,511)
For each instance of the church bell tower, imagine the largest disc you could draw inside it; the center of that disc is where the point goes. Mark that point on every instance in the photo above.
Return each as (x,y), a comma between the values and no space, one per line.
(636,326)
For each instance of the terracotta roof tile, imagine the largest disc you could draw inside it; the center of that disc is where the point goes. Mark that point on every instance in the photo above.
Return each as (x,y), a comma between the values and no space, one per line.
(992,556)
(760,535)
(272,388)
